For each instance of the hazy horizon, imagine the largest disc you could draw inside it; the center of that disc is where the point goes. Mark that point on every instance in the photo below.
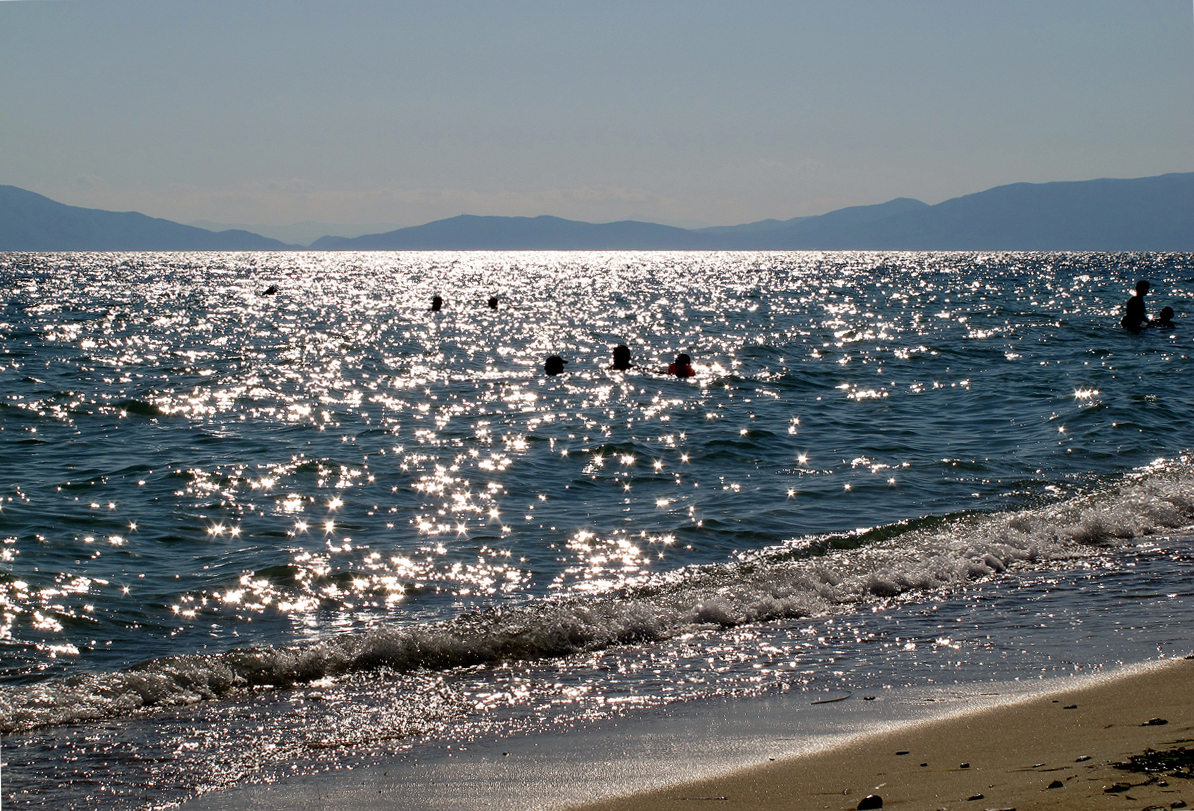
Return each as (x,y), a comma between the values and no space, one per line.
(275,114)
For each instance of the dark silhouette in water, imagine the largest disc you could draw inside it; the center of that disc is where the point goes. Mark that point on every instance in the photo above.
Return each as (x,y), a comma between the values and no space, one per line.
(270,291)
(622,358)
(681,367)
(437,304)
(1165,319)
(1134,315)
(493,302)
(554,365)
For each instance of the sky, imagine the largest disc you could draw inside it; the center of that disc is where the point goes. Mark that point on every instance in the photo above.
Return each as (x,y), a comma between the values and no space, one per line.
(686,112)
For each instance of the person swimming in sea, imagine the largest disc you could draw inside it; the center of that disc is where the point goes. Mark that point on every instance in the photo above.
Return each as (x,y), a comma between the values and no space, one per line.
(554,365)
(437,303)
(681,367)
(1164,320)
(622,360)
(493,302)
(1135,317)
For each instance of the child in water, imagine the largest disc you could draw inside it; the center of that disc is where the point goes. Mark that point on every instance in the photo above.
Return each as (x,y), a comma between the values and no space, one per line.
(1165,319)
(681,367)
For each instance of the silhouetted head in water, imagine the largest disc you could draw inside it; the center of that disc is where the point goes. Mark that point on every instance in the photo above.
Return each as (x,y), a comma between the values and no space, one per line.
(1134,315)
(437,304)
(554,365)
(493,300)
(682,366)
(1165,319)
(271,290)
(621,357)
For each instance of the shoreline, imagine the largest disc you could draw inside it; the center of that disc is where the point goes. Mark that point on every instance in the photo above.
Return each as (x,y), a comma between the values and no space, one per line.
(792,754)
(1049,750)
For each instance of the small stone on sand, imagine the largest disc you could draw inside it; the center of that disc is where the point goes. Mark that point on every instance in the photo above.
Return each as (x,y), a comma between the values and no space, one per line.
(870,801)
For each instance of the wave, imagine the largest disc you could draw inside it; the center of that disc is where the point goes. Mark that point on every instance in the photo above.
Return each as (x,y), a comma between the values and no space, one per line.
(808,577)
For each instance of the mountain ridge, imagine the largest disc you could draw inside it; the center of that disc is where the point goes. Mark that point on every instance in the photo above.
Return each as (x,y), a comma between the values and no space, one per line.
(1106,214)
(32,222)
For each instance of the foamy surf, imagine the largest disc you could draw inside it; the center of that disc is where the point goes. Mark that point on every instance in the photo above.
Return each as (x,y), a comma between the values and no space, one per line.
(806,578)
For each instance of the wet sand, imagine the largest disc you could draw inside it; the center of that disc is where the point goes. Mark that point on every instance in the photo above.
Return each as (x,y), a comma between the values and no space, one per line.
(1001,757)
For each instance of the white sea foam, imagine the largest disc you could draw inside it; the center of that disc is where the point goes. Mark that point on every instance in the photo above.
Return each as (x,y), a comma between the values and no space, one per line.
(806,578)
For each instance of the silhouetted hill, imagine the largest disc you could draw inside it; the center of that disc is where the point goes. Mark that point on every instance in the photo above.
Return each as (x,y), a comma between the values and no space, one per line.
(468,232)
(31,222)
(842,217)
(1143,214)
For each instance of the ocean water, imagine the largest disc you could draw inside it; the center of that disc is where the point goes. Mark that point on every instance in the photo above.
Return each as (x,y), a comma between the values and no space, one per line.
(245,537)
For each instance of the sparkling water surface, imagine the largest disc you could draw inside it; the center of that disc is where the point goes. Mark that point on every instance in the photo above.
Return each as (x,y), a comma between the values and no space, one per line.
(208,491)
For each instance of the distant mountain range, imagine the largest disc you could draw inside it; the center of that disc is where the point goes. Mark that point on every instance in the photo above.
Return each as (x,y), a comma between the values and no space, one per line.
(1142,214)
(30,222)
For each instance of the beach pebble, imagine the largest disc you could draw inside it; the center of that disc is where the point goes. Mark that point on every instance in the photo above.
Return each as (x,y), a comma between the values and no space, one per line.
(1070,707)
(964,766)
(1178,804)
(1155,722)
(902,752)
(974,797)
(870,801)
(1057,784)
(1082,759)
(1116,788)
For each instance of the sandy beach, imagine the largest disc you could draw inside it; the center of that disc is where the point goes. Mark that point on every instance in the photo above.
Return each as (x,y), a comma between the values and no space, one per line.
(1051,751)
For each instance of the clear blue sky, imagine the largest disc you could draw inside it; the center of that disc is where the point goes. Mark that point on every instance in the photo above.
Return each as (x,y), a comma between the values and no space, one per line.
(683,112)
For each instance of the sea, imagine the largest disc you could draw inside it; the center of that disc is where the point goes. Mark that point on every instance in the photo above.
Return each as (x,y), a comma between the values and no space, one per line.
(249,535)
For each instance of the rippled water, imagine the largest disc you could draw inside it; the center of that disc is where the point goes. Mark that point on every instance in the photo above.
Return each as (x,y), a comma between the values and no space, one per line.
(208,491)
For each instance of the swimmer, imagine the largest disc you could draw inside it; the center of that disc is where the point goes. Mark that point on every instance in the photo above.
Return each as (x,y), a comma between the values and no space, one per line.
(493,302)
(681,367)
(622,358)
(1165,319)
(437,304)
(271,290)
(553,365)
(1134,315)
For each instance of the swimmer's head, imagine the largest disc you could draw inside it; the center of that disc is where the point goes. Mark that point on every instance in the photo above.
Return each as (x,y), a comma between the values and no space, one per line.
(554,365)
(621,356)
(683,360)
(1142,287)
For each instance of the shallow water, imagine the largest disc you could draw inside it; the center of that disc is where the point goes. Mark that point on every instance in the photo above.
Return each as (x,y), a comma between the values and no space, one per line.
(230,493)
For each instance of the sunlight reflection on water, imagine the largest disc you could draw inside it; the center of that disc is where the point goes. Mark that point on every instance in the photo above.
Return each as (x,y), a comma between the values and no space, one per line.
(204,463)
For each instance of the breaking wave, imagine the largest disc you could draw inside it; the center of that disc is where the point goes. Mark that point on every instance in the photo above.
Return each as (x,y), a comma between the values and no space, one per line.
(805,578)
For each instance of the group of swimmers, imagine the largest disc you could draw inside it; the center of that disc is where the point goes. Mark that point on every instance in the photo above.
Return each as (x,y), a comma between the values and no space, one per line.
(1135,318)
(681,367)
